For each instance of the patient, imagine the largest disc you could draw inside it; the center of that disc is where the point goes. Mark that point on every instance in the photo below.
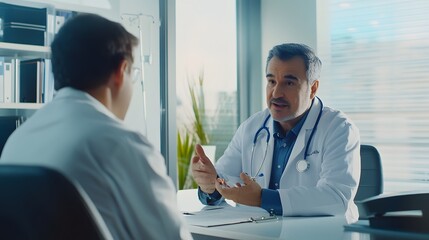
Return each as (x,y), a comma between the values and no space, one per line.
(81,133)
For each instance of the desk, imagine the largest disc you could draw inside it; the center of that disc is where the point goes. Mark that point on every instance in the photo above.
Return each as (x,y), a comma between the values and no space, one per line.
(321,228)
(289,228)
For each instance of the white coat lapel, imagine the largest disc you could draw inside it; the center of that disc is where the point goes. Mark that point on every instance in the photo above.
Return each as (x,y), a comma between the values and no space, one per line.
(257,161)
(269,161)
(301,141)
(260,147)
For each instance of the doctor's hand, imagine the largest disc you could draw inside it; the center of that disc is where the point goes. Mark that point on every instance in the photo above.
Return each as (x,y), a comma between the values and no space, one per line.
(248,194)
(203,171)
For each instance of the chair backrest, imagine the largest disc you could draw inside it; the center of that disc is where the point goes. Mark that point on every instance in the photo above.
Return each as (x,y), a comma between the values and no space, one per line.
(41,203)
(371,178)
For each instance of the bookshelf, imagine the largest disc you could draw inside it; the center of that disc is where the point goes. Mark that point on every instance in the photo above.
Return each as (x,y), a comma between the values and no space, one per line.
(24,51)
(30,106)
(19,109)
(25,69)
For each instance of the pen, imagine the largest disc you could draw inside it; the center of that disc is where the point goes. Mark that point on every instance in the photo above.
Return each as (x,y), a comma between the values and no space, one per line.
(187,213)
(212,208)
(202,210)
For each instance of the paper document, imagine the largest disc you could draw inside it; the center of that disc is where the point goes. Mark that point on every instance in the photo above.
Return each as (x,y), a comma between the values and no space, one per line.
(213,216)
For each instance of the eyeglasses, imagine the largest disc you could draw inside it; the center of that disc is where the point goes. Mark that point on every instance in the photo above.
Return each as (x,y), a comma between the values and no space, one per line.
(136,75)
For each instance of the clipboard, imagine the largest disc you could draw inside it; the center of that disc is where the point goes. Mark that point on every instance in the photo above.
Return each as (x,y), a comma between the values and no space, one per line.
(228,215)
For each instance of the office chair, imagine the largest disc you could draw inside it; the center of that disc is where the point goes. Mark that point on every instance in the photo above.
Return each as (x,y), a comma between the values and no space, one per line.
(41,203)
(371,178)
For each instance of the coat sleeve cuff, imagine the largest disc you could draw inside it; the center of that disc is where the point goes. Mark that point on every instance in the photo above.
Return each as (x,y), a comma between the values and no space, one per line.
(270,201)
(209,199)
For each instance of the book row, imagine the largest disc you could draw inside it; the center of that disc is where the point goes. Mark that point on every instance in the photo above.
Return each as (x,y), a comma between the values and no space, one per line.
(26,81)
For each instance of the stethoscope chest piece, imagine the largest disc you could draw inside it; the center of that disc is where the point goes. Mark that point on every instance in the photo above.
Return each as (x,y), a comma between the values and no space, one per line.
(302,165)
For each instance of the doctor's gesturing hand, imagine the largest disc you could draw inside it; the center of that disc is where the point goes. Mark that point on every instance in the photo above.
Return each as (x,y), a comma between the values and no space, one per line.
(203,171)
(248,194)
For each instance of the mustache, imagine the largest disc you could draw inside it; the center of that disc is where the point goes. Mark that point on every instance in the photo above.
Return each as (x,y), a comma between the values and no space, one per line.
(279,101)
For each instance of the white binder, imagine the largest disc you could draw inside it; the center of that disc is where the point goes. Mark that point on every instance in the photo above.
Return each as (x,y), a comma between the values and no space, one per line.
(8,81)
(1,82)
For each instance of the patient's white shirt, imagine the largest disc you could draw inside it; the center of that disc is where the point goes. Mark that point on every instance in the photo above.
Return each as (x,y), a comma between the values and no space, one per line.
(118,168)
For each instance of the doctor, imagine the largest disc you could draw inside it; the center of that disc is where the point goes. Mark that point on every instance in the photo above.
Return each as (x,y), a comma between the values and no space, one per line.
(296,158)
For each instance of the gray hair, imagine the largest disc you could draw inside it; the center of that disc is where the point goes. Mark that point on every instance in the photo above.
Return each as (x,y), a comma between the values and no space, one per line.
(287,51)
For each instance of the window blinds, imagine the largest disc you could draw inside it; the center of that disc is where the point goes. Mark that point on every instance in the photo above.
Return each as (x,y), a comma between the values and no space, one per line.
(376,70)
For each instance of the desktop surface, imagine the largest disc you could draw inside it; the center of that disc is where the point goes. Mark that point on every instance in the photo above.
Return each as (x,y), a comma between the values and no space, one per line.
(323,227)
(302,228)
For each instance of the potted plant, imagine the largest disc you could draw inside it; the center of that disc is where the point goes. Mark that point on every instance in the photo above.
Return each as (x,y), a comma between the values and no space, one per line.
(185,150)
(187,137)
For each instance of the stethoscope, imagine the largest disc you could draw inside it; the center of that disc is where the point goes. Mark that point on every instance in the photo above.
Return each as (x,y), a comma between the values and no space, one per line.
(302,165)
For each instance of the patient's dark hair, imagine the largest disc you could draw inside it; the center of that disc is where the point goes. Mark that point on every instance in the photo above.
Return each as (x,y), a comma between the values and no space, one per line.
(88,49)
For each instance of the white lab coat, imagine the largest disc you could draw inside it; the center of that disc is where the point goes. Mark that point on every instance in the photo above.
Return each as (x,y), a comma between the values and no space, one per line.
(330,183)
(118,168)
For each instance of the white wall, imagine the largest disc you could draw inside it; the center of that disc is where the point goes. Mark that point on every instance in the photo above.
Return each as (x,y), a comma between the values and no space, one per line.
(149,23)
(287,21)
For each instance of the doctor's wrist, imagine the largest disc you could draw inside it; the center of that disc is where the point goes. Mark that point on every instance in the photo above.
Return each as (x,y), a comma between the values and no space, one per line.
(209,199)
(207,189)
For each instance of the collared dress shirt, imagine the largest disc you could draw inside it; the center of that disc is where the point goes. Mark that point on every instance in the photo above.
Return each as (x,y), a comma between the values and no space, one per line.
(283,145)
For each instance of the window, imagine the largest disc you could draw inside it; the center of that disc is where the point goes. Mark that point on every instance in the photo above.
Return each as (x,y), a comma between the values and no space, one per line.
(376,68)
(206,61)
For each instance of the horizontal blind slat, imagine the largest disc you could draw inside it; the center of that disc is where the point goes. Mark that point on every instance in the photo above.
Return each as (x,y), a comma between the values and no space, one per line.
(377,74)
